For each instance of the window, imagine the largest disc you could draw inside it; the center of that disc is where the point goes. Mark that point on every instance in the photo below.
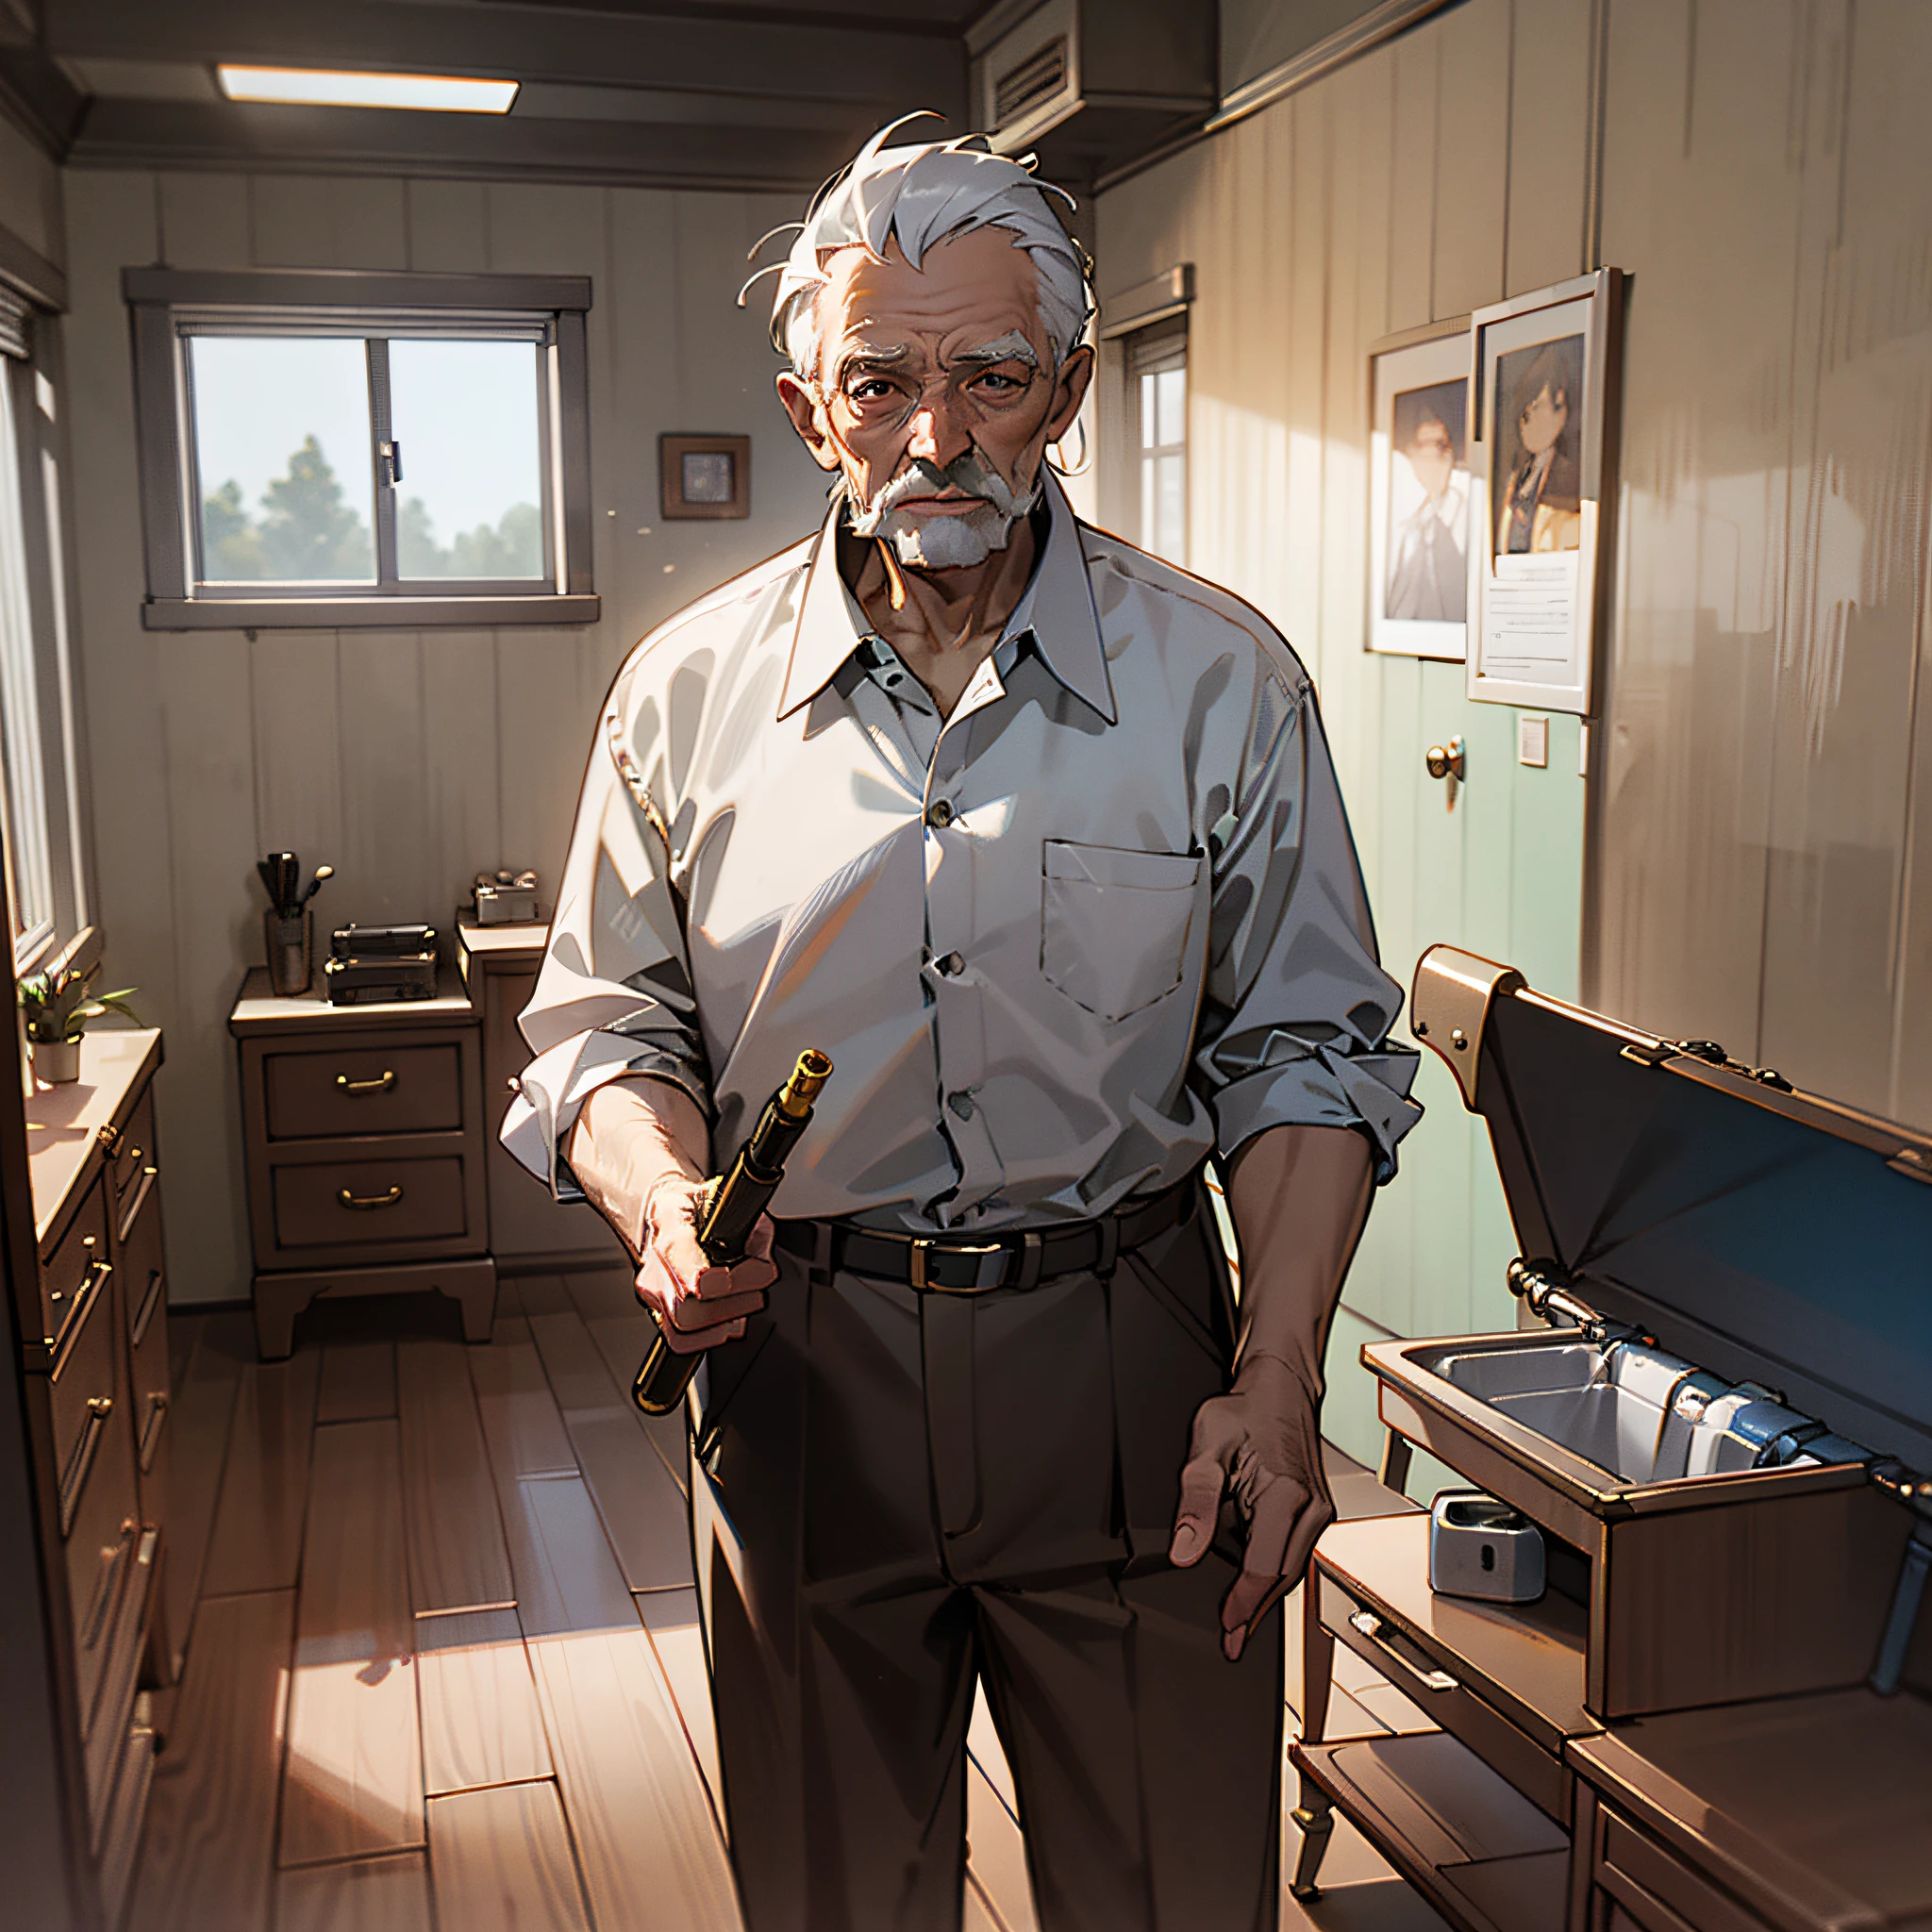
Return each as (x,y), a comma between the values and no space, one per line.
(39,801)
(335,449)
(1158,377)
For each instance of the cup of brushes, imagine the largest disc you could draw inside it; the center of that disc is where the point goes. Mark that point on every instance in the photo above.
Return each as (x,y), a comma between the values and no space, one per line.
(288,926)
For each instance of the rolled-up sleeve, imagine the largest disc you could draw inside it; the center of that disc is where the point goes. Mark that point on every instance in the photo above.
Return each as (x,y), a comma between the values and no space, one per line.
(614,994)
(1297,1011)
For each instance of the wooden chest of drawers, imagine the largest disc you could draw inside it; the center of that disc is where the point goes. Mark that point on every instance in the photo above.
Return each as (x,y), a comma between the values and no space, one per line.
(98,1404)
(365,1148)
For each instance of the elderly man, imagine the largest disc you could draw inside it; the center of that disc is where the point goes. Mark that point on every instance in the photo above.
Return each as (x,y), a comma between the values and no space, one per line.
(1038,838)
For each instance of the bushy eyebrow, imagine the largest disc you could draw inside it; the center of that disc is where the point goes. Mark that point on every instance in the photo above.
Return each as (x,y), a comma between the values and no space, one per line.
(865,355)
(1010,347)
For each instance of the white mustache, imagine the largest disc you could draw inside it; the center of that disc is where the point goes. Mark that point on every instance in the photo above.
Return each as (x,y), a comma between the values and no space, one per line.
(966,473)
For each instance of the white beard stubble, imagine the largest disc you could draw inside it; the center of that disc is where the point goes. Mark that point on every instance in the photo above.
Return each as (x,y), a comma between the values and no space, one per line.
(955,542)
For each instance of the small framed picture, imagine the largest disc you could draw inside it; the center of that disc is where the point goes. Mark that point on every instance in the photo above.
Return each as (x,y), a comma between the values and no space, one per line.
(1544,409)
(1421,502)
(705,476)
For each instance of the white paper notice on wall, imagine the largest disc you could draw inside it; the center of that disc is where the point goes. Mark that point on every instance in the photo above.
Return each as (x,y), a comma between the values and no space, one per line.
(1530,630)
(1533,741)
(1544,365)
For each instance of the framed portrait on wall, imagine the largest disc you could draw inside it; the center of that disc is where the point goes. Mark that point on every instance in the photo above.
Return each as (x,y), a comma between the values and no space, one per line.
(1421,504)
(1544,422)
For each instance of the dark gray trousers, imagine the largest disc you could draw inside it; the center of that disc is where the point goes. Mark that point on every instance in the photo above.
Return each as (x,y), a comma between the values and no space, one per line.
(892,1493)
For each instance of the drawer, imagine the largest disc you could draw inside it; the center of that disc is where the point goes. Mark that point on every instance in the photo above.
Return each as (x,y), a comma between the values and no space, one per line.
(1419,1673)
(77,1265)
(144,1293)
(1657,1890)
(347,1203)
(103,1545)
(147,1340)
(316,1093)
(83,1390)
(105,1729)
(121,1834)
(134,1151)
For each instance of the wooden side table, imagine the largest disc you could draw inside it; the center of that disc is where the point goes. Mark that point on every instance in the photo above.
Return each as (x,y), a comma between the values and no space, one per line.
(364,1134)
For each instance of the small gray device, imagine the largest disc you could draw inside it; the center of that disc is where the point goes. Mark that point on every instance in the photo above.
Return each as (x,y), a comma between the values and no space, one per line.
(506,897)
(1482,1548)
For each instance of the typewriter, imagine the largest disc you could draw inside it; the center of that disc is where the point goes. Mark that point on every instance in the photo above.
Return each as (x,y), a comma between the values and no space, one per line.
(371,963)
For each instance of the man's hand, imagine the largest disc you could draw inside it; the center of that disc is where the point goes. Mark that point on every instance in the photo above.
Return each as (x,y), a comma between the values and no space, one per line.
(636,1151)
(697,1303)
(1262,1444)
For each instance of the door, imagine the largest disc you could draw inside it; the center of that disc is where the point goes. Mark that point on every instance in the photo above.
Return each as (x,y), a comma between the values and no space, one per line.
(1499,872)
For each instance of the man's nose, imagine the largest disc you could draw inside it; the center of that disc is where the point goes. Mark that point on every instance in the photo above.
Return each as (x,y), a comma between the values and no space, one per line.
(940,434)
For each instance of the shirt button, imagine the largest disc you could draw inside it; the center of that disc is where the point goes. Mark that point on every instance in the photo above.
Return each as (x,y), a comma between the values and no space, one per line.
(962,1104)
(940,812)
(951,963)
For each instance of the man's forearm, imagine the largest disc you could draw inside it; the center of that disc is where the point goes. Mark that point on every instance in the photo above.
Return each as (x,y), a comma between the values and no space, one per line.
(1299,1197)
(630,1135)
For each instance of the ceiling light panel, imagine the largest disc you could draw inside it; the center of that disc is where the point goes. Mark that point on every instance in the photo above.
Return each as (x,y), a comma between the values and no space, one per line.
(322,88)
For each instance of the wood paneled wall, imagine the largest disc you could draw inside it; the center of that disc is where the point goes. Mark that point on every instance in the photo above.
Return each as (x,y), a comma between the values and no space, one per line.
(1765,825)
(1767,876)
(409,759)
(1443,171)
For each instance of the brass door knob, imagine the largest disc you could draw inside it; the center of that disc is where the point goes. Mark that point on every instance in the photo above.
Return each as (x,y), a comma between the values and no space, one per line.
(1445,762)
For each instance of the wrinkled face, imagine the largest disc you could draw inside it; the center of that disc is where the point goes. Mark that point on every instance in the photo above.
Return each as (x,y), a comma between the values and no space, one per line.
(1432,457)
(936,394)
(1542,420)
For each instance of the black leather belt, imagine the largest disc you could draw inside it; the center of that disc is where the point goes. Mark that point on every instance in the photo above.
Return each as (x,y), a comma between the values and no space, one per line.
(949,1264)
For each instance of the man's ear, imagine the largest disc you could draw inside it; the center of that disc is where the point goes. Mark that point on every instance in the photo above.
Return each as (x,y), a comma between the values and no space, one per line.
(808,417)
(1070,392)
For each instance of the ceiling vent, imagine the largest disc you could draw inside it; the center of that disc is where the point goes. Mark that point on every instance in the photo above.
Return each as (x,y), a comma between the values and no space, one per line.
(1089,85)
(1036,81)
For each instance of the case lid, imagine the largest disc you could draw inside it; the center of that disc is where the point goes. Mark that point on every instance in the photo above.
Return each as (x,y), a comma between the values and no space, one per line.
(1766,1233)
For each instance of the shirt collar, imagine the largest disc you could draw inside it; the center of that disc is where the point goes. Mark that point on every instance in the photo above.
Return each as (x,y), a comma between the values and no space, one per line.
(1057,607)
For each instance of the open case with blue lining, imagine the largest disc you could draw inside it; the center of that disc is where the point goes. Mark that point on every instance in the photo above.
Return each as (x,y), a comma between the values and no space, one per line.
(1728,1414)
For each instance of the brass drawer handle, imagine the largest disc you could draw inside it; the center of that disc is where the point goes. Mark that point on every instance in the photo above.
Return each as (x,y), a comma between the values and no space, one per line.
(1370,1626)
(96,1617)
(156,1289)
(388,1200)
(98,1409)
(97,1272)
(151,1435)
(361,1088)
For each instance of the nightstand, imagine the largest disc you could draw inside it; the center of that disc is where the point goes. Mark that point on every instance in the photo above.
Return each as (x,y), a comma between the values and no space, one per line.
(364,1134)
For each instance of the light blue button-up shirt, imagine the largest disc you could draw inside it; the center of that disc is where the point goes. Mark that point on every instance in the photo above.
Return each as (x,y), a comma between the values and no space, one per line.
(1102,920)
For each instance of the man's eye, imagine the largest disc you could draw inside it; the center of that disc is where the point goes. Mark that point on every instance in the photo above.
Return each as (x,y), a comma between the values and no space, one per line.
(868,389)
(995,382)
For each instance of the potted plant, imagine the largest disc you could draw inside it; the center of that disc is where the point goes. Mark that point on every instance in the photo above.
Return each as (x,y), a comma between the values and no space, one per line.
(58,1004)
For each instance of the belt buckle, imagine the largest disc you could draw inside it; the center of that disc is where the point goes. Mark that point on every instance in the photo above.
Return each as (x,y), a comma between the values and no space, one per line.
(923,1244)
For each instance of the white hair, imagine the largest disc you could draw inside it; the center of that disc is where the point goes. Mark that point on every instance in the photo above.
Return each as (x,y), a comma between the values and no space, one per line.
(920,196)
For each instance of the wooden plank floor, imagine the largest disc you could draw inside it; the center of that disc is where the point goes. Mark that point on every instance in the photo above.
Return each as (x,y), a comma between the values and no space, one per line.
(444,1665)
(419,1689)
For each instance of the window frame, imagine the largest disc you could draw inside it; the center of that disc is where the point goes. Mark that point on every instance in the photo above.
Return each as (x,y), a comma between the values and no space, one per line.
(1154,351)
(38,391)
(169,307)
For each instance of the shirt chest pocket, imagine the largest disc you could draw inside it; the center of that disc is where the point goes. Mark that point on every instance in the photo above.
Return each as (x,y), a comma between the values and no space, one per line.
(1115,926)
